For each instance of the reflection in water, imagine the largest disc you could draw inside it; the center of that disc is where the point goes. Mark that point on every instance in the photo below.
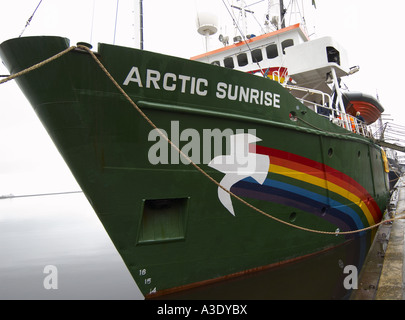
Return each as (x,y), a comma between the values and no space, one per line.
(63,231)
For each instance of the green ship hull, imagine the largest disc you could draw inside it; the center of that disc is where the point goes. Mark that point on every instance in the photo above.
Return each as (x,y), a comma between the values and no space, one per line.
(166,219)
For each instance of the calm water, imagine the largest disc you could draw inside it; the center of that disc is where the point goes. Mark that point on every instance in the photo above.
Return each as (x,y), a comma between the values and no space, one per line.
(63,231)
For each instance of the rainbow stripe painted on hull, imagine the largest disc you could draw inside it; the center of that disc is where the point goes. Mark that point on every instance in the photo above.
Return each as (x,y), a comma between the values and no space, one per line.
(318,189)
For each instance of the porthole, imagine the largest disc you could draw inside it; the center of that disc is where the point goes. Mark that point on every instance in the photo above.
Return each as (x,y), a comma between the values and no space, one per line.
(293,116)
(358,154)
(293,216)
(330,152)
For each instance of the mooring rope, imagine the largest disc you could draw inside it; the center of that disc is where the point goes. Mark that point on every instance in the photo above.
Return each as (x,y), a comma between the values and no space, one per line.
(38,65)
(337,232)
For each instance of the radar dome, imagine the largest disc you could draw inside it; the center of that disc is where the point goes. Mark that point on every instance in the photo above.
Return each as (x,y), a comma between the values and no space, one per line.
(207,23)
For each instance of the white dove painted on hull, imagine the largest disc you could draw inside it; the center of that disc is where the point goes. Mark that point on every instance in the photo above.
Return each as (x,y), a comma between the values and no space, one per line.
(238,165)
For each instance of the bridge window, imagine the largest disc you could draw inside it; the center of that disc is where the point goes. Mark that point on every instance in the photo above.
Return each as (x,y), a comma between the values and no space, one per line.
(257,55)
(228,63)
(242,59)
(333,55)
(287,43)
(272,51)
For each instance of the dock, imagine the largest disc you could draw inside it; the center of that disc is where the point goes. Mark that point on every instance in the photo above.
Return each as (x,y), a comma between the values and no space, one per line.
(383,274)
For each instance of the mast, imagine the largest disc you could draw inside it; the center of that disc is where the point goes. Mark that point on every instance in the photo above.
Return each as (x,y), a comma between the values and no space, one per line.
(275,14)
(141,23)
(116,20)
(282,14)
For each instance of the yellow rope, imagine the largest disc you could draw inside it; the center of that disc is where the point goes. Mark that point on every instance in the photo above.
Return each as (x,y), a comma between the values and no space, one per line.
(181,152)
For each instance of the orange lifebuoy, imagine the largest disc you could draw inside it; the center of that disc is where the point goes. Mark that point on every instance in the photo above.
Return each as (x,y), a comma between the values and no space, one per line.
(353,124)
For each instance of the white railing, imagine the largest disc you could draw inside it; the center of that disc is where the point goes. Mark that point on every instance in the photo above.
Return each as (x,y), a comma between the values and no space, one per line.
(325,109)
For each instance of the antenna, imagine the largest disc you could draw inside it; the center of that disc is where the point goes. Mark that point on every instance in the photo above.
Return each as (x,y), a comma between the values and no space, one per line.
(207,25)
(92,21)
(116,18)
(30,19)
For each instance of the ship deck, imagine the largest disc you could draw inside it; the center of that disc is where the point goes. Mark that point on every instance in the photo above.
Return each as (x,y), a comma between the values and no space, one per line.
(383,274)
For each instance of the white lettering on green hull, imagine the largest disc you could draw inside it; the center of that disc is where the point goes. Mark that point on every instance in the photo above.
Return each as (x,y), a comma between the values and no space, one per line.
(154,79)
